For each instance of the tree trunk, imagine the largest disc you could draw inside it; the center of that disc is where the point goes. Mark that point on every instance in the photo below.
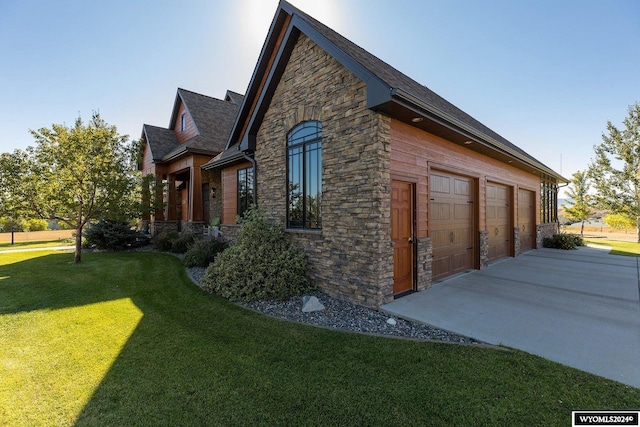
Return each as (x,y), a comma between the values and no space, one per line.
(638,228)
(582,229)
(78,253)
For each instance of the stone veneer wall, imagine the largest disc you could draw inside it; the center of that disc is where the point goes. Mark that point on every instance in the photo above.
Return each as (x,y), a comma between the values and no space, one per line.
(516,241)
(545,230)
(352,257)
(214,178)
(424,263)
(484,249)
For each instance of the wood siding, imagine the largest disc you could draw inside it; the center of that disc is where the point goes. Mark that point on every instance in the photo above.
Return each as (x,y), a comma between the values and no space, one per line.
(414,152)
(230,192)
(190,129)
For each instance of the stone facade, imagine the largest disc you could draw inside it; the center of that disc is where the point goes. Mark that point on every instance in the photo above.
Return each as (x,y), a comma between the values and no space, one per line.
(214,178)
(356,178)
(516,241)
(484,249)
(545,230)
(424,263)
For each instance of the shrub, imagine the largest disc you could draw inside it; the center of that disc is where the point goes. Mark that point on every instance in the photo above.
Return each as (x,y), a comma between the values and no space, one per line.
(182,243)
(203,252)
(35,224)
(563,241)
(113,236)
(164,240)
(261,264)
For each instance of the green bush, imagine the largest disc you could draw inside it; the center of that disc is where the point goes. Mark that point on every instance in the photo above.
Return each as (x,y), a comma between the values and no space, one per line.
(261,264)
(203,252)
(183,243)
(164,240)
(563,241)
(35,225)
(113,236)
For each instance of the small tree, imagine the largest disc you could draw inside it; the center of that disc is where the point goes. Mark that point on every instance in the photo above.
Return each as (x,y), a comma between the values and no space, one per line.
(619,221)
(578,192)
(615,171)
(73,175)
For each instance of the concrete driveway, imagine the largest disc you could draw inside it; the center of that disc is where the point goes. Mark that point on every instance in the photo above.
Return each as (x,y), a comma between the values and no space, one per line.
(579,308)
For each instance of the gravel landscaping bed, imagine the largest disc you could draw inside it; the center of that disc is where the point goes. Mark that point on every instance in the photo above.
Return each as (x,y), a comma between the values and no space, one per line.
(342,315)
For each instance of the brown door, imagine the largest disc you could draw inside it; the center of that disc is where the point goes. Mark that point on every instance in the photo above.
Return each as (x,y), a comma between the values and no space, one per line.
(498,221)
(402,235)
(451,223)
(526,219)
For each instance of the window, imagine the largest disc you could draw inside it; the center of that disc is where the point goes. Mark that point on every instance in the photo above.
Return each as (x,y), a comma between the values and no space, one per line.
(304,176)
(245,189)
(548,202)
(183,122)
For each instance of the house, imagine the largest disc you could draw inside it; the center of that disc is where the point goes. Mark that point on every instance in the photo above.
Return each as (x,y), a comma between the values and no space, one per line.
(173,156)
(385,185)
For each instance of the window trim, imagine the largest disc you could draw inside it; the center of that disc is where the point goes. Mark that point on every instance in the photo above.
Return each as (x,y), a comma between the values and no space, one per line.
(303,143)
(183,122)
(248,171)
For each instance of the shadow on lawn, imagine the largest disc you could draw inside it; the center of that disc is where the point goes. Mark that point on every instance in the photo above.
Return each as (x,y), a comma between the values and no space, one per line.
(161,376)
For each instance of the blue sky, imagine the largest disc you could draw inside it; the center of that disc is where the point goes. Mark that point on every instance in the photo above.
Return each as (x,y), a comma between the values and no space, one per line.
(546,75)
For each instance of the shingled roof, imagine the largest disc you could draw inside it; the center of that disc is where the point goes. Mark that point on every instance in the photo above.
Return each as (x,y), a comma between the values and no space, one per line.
(212,117)
(389,91)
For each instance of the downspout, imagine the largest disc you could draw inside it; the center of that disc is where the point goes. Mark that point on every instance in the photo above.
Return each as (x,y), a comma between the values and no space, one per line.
(255,177)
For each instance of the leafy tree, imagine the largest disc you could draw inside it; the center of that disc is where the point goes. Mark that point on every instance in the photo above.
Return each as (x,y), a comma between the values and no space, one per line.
(615,171)
(12,167)
(619,221)
(75,175)
(578,192)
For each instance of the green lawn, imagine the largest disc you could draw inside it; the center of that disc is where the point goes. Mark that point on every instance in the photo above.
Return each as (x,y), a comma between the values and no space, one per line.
(36,244)
(126,339)
(617,247)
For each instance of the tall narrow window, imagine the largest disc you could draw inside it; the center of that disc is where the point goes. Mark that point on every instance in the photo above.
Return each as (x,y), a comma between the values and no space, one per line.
(245,189)
(183,122)
(304,176)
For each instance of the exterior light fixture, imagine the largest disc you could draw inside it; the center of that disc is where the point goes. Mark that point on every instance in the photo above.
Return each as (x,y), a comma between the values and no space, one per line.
(417,119)
(468,142)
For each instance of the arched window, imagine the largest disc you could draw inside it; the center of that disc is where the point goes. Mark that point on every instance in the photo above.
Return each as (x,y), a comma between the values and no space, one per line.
(304,176)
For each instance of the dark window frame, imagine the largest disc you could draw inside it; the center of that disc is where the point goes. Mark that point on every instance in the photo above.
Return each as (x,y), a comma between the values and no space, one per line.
(304,167)
(244,189)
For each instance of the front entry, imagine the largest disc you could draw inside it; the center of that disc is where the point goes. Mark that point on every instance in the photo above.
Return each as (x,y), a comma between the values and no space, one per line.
(402,235)
(451,223)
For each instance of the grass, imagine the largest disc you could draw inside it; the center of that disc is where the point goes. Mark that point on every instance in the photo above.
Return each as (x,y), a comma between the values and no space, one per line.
(127,339)
(36,244)
(617,247)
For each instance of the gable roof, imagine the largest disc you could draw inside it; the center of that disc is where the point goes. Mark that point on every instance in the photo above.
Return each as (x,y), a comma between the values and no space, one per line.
(213,119)
(388,91)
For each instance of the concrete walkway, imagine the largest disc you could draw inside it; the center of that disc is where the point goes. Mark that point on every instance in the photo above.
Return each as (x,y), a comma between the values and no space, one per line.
(50,248)
(579,308)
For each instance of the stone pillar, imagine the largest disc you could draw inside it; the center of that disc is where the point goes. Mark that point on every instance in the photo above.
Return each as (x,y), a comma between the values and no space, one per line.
(424,263)
(484,249)
(516,241)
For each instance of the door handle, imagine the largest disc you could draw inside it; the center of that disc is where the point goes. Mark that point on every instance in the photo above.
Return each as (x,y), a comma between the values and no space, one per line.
(410,240)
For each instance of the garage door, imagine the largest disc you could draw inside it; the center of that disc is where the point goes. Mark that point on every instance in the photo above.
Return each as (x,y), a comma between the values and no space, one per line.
(526,219)
(498,221)
(451,223)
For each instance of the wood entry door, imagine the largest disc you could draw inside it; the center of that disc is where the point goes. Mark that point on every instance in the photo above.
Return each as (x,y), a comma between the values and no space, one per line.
(498,203)
(526,219)
(451,223)
(402,235)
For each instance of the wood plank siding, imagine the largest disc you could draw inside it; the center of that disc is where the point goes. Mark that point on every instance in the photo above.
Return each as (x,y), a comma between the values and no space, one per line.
(230,192)
(415,152)
(190,127)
